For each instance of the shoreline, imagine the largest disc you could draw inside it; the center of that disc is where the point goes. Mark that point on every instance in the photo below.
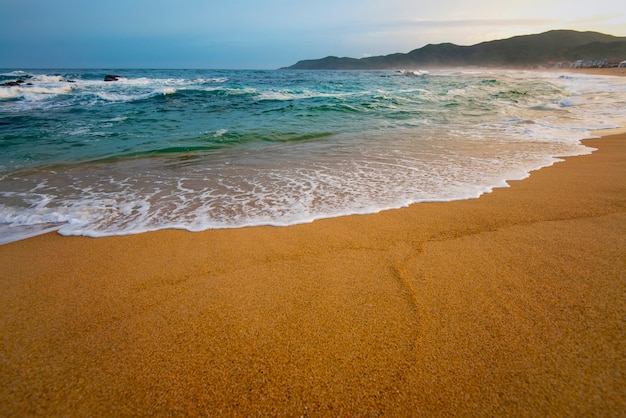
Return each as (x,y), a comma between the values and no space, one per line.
(85,210)
(508,304)
(617,72)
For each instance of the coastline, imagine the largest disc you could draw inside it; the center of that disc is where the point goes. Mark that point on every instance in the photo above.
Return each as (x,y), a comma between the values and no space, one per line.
(509,304)
(619,72)
(351,174)
(616,72)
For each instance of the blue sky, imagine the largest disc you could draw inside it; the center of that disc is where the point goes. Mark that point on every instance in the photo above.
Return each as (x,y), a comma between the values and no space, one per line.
(260,34)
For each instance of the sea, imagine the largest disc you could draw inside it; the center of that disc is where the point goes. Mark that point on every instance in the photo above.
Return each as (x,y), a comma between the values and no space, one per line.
(208,149)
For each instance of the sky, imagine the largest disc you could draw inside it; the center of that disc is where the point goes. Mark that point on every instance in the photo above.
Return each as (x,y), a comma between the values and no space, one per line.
(267,34)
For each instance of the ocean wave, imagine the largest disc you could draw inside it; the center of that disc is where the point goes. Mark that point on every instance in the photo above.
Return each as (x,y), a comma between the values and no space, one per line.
(46,79)
(9,93)
(125,96)
(197,150)
(219,133)
(124,89)
(16,73)
(122,97)
(233,91)
(235,190)
(33,92)
(210,80)
(286,95)
(133,89)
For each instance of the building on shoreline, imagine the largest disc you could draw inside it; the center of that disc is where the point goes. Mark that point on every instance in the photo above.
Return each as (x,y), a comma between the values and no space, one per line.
(601,63)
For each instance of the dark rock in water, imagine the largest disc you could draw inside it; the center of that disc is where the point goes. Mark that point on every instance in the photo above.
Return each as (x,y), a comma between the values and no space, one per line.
(111,77)
(12,83)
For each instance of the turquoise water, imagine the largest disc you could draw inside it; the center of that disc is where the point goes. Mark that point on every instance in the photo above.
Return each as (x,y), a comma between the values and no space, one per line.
(208,149)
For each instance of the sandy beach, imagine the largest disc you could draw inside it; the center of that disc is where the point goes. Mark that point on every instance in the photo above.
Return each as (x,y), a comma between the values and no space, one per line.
(510,304)
(605,72)
(621,72)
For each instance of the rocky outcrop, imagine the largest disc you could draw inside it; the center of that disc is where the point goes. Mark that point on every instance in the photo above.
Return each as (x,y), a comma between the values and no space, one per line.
(12,83)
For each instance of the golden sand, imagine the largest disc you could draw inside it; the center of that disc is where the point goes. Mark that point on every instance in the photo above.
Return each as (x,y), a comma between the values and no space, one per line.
(510,304)
(615,72)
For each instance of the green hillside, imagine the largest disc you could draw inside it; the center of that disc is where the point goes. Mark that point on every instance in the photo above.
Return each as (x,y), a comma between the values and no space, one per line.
(526,50)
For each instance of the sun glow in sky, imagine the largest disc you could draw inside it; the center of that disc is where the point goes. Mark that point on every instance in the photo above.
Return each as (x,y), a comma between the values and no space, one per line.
(256,34)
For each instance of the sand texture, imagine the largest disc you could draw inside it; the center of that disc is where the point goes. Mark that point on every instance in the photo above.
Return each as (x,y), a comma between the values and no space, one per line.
(513,304)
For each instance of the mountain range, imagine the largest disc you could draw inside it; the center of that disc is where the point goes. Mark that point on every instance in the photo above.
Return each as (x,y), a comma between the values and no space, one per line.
(518,51)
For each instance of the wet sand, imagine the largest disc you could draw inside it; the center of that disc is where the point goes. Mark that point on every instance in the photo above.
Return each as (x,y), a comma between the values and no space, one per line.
(510,304)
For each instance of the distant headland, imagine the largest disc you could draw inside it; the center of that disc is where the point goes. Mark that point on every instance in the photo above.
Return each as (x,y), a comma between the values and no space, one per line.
(556,48)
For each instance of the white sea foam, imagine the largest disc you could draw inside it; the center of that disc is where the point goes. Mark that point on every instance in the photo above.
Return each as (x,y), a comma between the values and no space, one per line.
(33,92)
(454,138)
(7,93)
(48,90)
(291,95)
(17,73)
(209,80)
(46,79)
(126,96)
(233,91)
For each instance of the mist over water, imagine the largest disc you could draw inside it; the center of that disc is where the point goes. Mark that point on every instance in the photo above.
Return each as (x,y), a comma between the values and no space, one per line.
(221,149)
